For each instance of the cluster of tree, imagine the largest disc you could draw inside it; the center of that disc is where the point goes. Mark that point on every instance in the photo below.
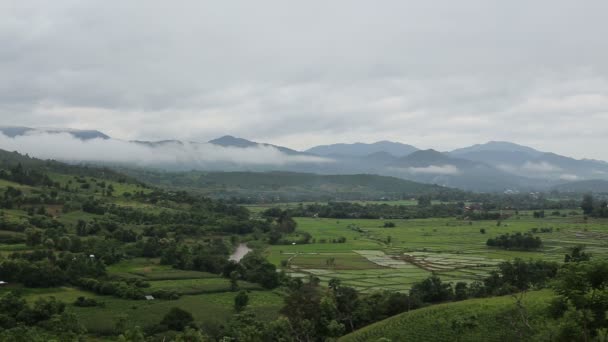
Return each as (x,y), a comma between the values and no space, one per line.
(210,257)
(594,207)
(281,225)
(525,241)
(315,313)
(86,302)
(541,230)
(128,288)
(581,305)
(349,210)
(527,201)
(253,268)
(21,175)
(45,269)
(45,320)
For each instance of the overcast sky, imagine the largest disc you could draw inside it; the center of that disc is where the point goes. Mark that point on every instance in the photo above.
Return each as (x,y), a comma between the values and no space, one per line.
(440,74)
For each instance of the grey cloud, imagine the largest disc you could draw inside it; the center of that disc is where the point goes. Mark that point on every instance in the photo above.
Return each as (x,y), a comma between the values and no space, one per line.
(432,74)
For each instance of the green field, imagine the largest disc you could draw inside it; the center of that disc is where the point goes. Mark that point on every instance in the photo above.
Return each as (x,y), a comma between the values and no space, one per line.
(374,257)
(209,310)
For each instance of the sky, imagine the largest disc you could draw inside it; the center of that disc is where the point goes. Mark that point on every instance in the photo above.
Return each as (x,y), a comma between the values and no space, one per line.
(434,74)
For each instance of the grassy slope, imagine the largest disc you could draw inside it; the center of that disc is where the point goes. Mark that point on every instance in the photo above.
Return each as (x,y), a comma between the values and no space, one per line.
(493,318)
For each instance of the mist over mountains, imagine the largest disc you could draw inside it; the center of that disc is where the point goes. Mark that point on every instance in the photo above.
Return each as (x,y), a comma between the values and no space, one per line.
(492,166)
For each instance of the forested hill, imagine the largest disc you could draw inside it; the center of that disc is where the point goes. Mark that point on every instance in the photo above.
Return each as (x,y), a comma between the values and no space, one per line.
(9,160)
(293,186)
(67,229)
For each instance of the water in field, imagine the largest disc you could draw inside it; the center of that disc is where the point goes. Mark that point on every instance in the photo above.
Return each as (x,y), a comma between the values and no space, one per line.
(240,252)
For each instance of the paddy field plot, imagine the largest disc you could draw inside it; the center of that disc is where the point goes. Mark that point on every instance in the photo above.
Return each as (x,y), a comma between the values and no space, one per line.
(377,258)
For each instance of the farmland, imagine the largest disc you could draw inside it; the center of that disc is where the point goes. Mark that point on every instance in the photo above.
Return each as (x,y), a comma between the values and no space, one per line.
(100,255)
(378,258)
(207,296)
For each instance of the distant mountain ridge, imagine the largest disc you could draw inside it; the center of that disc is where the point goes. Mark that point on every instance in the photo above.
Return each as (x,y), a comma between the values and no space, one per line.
(362,149)
(83,134)
(495,146)
(488,167)
(230,141)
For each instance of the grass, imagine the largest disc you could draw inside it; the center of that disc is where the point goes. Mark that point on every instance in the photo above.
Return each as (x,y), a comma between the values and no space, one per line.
(209,310)
(199,286)
(489,319)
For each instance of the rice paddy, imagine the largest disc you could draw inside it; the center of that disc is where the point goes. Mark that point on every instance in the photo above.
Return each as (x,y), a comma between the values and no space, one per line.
(378,258)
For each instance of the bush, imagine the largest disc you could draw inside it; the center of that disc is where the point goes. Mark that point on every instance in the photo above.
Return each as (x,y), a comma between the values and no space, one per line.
(86,302)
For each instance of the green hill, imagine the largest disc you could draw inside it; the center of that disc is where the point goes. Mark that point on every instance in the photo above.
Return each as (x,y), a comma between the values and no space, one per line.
(292,186)
(487,319)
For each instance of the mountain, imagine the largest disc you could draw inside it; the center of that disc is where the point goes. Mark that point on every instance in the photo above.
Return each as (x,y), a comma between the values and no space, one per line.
(528,162)
(593,185)
(362,149)
(493,166)
(430,166)
(230,141)
(496,146)
(15,131)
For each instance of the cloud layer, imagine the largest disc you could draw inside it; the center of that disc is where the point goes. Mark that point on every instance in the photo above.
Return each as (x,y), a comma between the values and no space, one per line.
(66,147)
(430,74)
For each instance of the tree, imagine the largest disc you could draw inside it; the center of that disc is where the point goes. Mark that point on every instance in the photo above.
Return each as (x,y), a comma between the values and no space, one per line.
(347,301)
(588,204)
(191,335)
(577,254)
(132,335)
(241,300)
(424,201)
(286,224)
(258,270)
(432,290)
(234,280)
(583,286)
(177,319)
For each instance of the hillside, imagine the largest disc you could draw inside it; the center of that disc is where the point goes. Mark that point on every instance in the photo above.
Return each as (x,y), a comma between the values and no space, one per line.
(487,319)
(596,186)
(75,232)
(290,186)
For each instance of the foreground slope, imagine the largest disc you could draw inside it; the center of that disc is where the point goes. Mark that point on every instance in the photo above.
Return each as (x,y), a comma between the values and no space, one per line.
(486,319)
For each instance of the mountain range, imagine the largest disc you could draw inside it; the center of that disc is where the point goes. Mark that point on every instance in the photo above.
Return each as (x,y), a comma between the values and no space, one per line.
(489,167)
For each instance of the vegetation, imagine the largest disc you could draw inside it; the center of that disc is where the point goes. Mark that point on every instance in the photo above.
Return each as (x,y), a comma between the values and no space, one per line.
(88,253)
(268,187)
(518,240)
